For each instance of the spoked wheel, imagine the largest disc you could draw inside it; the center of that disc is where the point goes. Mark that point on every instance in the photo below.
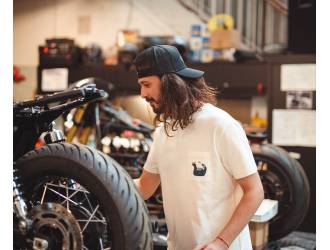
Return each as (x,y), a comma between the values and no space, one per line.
(79,198)
(284,180)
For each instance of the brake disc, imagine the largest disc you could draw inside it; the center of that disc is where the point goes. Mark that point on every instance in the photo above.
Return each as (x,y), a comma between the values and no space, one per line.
(55,224)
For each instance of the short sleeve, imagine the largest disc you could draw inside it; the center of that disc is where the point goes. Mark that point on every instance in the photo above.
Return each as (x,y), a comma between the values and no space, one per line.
(151,164)
(235,152)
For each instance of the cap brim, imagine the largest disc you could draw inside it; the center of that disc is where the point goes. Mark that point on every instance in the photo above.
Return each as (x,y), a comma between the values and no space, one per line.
(190,73)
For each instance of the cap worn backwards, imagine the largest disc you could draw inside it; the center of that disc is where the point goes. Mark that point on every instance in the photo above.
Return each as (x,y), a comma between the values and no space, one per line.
(161,59)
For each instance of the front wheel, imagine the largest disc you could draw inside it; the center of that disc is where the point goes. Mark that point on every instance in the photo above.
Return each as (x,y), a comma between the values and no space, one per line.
(79,198)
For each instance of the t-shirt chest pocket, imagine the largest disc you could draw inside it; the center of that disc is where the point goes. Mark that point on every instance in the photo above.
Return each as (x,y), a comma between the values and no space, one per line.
(198,166)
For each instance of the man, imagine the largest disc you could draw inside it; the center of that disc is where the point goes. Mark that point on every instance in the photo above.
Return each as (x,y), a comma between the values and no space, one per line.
(200,155)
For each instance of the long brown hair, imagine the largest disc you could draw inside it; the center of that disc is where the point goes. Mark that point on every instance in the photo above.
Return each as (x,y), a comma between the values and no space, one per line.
(180,99)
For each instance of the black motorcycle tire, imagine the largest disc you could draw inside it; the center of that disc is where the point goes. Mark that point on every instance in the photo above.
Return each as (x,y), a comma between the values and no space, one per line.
(105,178)
(283,171)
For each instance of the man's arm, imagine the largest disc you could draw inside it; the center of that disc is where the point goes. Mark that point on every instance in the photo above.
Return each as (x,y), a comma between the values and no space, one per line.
(147,183)
(253,195)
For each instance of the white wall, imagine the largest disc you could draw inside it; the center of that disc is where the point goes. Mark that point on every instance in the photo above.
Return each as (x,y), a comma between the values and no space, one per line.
(26,90)
(36,20)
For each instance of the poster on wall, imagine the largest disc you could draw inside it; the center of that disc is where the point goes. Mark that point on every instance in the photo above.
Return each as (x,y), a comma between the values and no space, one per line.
(55,79)
(293,128)
(299,100)
(298,77)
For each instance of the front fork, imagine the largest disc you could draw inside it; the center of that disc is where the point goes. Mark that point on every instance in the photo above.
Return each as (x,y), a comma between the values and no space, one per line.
(20,208)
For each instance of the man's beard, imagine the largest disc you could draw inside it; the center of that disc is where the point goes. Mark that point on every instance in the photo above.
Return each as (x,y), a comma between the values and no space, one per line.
(152,102)
(157,111)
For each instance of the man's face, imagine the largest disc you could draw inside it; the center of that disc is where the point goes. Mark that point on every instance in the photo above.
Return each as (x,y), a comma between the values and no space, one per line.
(150,90)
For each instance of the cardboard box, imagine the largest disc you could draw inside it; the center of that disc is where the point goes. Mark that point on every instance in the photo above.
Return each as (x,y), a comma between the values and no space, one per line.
(199,30)
(196,43)
(259,223)
(206,55)
(225,39)
(259,234)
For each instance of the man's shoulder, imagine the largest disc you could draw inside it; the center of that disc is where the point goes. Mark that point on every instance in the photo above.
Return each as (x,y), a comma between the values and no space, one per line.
(214,115)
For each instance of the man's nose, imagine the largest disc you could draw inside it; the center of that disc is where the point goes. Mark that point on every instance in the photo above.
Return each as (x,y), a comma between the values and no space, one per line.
(143,93)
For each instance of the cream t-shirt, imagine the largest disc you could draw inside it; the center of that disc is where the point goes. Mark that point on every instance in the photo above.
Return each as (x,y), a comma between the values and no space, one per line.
(198,167)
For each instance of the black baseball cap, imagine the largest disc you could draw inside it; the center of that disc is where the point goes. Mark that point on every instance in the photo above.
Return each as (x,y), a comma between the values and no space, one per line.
(160,59)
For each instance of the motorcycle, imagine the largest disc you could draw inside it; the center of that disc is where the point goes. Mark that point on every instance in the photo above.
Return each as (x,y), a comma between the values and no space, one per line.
(67,195)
